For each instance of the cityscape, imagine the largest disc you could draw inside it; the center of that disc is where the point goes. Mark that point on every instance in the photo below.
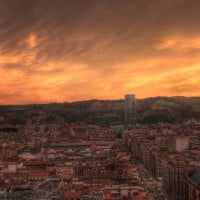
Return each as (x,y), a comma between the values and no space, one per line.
(55,160)
(99,99)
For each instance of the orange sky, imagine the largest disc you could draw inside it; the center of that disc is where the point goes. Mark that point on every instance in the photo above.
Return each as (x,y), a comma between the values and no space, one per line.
(57,51)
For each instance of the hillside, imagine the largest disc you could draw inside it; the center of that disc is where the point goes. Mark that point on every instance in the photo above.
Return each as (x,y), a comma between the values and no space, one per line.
(105,112)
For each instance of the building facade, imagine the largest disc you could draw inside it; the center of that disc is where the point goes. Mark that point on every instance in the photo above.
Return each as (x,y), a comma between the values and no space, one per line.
(129,109)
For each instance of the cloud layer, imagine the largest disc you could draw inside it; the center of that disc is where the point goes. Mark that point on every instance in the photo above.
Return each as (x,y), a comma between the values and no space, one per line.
(70,50)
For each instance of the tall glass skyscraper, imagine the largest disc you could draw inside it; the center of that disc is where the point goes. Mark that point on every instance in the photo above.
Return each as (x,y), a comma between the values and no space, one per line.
(129,109)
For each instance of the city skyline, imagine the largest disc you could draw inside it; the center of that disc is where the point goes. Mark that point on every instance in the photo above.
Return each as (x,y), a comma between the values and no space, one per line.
(64,51)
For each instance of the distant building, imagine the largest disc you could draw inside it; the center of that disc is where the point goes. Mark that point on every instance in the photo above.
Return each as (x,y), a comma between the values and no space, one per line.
(60,123)
(117,129)
(129,109)
(178,144)
(175,169)
(192,185)
(182,143)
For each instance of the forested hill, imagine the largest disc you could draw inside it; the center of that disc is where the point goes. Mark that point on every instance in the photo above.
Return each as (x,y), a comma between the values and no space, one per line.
(105,112)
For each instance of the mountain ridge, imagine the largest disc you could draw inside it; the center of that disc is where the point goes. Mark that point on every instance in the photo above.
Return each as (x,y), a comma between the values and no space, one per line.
(105,112)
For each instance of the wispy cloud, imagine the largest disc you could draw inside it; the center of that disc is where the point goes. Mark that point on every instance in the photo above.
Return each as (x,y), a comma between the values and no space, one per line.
(72,49)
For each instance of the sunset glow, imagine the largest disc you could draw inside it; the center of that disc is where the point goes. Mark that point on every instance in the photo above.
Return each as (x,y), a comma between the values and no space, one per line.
(57,51)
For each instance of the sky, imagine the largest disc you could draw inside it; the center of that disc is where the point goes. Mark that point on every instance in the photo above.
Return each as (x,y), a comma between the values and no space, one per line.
(72,50)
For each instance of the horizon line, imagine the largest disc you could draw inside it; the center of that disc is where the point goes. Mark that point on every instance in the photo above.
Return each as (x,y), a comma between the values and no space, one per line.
(27,104)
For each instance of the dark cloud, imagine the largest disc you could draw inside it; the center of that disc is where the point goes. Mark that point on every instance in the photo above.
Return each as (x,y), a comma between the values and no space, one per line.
(11,66)
(184,88)
(96,32)
(51,46)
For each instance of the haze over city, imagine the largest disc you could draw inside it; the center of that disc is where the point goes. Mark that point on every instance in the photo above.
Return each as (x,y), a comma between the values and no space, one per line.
(70,50)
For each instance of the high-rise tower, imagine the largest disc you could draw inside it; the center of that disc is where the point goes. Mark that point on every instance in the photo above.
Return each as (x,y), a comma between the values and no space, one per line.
(129,109)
